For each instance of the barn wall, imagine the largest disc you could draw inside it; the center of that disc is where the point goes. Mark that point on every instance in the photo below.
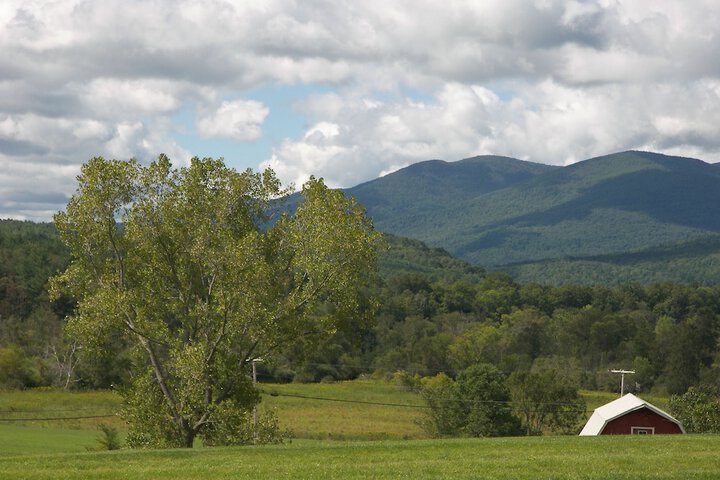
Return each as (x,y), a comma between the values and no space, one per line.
(643,417)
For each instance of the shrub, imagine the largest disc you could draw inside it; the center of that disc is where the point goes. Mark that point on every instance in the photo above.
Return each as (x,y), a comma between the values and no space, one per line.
(698,409)
(476,405)
(110,438)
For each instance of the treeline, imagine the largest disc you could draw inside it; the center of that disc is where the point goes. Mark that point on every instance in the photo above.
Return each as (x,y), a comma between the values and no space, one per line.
(667,333)
(441,319)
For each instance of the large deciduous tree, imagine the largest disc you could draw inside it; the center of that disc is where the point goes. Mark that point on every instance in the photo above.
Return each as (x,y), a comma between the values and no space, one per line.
(186,264)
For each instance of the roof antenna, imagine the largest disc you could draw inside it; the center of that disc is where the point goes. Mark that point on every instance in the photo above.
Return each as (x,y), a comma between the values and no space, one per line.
(622,379)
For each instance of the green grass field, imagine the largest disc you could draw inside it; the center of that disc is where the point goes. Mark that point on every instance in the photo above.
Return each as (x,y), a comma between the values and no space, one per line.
(659,457)
(359,411)
(355,410)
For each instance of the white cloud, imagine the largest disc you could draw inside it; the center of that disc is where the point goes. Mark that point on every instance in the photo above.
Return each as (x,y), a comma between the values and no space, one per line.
(113,97)
(239,119)
(363,139)
(546,122)
(320,150)
(550,80)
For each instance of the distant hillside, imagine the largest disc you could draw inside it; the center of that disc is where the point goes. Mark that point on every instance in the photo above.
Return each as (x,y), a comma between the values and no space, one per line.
(425,190)
(693,262)
(615,204)
(405,255)
(30,253)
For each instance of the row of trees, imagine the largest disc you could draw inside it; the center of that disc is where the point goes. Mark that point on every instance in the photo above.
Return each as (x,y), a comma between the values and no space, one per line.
(33,349)
(483,402)
(666,333)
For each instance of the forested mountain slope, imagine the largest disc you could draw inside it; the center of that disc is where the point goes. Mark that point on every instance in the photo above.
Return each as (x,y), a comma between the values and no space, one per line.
(427,189)
(695,261)
(408,256)
(615,204)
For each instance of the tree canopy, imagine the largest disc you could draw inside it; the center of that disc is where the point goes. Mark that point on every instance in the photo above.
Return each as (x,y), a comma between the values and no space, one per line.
(191,270)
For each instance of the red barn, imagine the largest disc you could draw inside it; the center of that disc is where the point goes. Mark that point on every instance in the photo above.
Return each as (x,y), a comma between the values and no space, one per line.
(631,415)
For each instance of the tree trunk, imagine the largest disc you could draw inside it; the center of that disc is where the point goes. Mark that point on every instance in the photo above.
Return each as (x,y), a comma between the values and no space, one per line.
(189,437)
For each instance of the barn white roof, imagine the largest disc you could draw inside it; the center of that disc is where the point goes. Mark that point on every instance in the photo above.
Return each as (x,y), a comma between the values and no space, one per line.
(617,408)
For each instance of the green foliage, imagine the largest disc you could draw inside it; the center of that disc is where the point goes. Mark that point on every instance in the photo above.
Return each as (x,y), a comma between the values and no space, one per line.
(16,370)
(110,438)
(484,400)
(480,343)
(593,329)
(476,405)
(405,256)
(199,282)
(238,427)
(29,323)
(687,262)
(698,409)
(444,416)
(546,401)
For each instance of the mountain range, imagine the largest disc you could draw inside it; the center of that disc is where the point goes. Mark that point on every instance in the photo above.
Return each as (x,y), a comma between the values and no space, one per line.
(629,216)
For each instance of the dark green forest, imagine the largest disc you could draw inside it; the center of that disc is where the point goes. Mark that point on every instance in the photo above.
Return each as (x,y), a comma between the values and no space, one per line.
(433,314)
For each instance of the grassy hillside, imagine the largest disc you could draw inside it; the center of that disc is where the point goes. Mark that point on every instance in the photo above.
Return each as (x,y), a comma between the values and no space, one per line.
(365,410)
(352,410)
(356,410)
(618,457)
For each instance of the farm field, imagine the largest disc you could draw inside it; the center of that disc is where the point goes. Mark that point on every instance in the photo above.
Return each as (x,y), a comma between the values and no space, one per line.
(333,425)
(570,457)
(353,410)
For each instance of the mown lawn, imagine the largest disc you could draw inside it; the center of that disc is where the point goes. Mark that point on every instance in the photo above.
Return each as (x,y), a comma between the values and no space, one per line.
(653,457)
(16,440)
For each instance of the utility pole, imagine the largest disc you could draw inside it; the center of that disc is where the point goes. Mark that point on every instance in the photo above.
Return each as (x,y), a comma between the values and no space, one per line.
(622,379)
(254,379)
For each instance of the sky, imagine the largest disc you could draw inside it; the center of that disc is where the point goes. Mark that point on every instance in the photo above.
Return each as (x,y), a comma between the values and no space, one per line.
(346,90)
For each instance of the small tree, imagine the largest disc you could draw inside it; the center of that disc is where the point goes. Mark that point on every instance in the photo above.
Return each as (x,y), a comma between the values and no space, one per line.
(444,416)
(698,409)
(485,402)
(188,266)
(109,438)
(476,405)
(546,401)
